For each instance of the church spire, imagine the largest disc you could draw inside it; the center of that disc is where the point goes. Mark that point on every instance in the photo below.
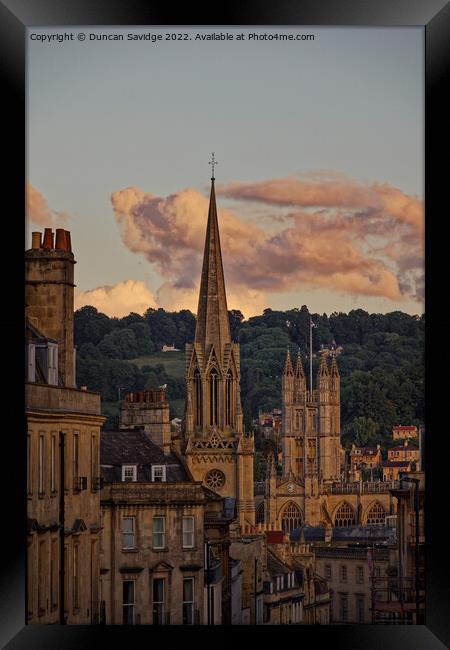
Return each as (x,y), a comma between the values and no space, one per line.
(334,367)
(288,369)
(213,326)
(299,372)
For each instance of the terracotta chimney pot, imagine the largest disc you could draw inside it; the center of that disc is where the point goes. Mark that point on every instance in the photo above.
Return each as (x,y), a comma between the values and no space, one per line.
(35,240)
(48,239)
(68,242)
(61,242)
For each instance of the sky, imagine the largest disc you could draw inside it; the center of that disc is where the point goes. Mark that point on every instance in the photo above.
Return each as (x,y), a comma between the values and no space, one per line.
(320,175)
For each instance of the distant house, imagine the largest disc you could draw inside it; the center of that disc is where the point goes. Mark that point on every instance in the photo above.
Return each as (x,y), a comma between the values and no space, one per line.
(364,458)
(401,432)
(392,469)
(170,348)
(405,452)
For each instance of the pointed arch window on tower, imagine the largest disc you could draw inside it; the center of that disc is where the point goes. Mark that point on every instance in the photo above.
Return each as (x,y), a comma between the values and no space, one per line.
(291,518)
(345,516)
(228,400)
(213,394)
(376,514)
(198,398)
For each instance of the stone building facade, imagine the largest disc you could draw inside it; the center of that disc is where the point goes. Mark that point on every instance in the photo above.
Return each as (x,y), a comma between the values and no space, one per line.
(217,450)
(400,596)
(58,413)
(350,578)
(158,525)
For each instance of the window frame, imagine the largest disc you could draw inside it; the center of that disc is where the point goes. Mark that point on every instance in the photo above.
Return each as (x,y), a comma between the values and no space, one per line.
(129,605)
(360,575)
(163,478)
(133,479)
(188,532)
(132,533)
(159,532)
(188,603)
(162,603)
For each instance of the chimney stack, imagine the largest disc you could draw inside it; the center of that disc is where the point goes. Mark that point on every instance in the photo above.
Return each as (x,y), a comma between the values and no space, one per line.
(49,295)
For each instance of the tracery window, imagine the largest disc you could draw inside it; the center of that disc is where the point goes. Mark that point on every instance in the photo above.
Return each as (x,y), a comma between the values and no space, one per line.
(345,516)
(291,518)
(198,398)
(260,513)
(376,514)
(213,405)
(215,479)
(228,398)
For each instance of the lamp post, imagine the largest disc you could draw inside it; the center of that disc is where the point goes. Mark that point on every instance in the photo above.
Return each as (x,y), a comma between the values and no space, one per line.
(416,482)
(208,580)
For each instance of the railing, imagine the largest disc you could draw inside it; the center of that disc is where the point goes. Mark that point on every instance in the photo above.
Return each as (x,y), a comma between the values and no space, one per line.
(373,487)
(394,600)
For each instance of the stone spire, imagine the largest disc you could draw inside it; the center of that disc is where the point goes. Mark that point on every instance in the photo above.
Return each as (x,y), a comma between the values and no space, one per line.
(213,326)
(323,368)
(288,369)
(334,370)
(299,372)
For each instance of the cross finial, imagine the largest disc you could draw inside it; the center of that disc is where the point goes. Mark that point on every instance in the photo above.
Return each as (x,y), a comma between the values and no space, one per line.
(212,163)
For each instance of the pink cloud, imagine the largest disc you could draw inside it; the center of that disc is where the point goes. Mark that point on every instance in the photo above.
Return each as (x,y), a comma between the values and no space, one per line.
(38,210)
(341,235)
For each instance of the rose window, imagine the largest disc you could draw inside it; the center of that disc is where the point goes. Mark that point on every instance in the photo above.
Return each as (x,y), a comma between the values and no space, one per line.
(215,479)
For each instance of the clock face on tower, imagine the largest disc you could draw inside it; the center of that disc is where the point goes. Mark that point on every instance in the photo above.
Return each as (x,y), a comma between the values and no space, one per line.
(290,487)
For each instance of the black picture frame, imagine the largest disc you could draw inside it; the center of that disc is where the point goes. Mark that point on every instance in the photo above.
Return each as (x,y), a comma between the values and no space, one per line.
(15,16)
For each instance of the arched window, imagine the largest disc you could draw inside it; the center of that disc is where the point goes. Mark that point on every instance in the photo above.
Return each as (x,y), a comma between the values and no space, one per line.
(291,518)
(198,398)
(213,405)
(260,513)
(228,388)
(376,514)
(345,516)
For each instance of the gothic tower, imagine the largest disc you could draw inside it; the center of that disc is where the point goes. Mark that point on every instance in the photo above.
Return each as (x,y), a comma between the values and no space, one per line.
(216,448)
(311,421)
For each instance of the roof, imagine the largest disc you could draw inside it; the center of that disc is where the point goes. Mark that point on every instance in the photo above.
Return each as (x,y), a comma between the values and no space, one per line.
(396,463)
(275,536)
(408,427)
(348,533)
(133,447)
(408,447)
(368,451)
(275,567)
(33,334)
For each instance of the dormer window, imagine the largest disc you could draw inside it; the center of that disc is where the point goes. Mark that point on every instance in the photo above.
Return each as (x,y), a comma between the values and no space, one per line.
(158,473)
(129,472)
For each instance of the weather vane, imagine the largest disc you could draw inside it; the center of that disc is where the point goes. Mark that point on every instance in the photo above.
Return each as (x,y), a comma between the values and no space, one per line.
(212,163)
